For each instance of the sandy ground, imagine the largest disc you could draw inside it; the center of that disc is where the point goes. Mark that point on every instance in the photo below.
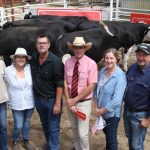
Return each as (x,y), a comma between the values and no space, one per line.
(97,142)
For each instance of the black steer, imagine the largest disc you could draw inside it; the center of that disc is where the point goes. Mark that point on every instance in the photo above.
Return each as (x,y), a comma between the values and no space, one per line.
(100,39)
(125,35)
(69,27)
(25,37)
(128,33)
(76,20)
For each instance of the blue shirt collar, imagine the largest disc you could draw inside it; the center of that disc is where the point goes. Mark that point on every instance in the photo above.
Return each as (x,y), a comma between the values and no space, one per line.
(115,73)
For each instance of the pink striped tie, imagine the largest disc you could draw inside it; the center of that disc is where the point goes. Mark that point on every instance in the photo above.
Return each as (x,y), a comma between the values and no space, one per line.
(75,78)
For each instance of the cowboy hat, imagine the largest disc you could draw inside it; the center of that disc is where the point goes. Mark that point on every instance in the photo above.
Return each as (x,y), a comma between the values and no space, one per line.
(79,41)
(20,52)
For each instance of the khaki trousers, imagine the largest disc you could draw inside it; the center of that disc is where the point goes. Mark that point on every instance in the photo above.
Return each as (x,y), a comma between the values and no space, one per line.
(81,128)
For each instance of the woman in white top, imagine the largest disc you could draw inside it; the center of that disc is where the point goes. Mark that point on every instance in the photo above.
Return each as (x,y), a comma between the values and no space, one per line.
(18,77)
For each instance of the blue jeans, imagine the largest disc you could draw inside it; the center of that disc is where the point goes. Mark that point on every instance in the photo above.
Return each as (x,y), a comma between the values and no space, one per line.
(111,133)
(50,122)
(3,126)
(134,132)
(22,123)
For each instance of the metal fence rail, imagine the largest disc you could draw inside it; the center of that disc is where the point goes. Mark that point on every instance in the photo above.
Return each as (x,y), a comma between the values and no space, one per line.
(124,8)
(15,13)
(119,9)
(88,2)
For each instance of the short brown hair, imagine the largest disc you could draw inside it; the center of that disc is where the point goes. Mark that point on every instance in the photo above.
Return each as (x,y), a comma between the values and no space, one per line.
(43,36)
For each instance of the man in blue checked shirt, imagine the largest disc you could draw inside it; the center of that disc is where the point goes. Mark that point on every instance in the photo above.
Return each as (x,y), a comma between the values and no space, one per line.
(137,99)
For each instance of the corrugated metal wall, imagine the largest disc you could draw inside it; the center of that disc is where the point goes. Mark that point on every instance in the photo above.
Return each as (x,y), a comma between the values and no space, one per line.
(137,4)
(130,4)
(126,7)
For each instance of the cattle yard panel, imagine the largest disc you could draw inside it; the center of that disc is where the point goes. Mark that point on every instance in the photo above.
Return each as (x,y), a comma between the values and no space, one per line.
(119,9)
(79,3)
(88,2)
(100,2)
(124,8)
(18,12)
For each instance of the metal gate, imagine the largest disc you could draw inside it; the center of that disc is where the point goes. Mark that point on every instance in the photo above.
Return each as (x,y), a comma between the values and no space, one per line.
(87,2)
(123,8)
(18,12)
(119,9)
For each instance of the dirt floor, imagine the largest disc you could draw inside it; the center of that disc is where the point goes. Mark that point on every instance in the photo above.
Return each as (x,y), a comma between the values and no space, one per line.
(97,142)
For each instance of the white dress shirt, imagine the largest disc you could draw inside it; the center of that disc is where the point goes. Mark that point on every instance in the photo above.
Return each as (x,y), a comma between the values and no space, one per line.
(20,90)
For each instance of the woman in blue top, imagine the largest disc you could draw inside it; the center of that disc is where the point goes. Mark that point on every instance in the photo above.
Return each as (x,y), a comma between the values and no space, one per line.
(109,96)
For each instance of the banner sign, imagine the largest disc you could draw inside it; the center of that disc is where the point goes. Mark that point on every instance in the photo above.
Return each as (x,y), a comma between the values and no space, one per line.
(140,18)
(89,13)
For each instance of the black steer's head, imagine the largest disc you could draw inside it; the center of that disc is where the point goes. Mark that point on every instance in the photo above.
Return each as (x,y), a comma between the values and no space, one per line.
(28,16)
(8,24)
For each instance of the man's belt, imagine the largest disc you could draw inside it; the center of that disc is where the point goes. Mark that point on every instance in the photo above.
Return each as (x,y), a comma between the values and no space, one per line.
(83,100)
(46,97)
(138,110)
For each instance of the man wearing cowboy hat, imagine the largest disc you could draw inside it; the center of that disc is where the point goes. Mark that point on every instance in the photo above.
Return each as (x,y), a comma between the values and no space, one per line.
(137,99)
(80,100)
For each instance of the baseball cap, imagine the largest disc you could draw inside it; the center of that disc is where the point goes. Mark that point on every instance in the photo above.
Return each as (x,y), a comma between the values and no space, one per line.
(144,47)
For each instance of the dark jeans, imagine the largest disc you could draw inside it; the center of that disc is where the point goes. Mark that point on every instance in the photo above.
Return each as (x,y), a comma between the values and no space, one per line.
(134,132)
(50,122)
(111,133)
(3,126)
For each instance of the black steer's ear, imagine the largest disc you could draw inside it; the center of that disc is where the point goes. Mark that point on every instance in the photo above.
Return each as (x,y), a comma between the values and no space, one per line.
(30,13)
